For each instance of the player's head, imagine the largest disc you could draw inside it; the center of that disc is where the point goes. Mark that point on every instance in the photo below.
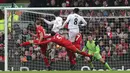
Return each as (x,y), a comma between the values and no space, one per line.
(52,33)
(76,10)
(90,38)
(38,22)
(56,13)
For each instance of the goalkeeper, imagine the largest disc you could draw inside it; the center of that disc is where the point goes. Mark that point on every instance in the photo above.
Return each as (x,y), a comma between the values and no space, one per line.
(94,50)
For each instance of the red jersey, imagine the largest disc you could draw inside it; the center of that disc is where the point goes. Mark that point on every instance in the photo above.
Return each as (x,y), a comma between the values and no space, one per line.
(57,38)
(78,41)
(62,41)
(39,30)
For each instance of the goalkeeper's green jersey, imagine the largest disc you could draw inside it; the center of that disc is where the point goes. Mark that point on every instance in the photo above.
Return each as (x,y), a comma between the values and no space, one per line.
(92,47)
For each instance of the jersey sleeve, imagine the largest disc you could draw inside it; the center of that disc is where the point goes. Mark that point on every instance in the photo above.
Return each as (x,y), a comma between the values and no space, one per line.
(68,18)
(41,31)
(97,49)
(49,22)
(83,20)
(59,21)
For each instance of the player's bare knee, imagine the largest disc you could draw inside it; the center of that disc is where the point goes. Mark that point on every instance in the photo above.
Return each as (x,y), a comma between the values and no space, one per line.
(31,41)
(102,61)
(88,59)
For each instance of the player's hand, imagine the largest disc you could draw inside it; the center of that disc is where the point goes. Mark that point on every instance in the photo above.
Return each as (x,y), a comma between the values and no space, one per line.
(41,18)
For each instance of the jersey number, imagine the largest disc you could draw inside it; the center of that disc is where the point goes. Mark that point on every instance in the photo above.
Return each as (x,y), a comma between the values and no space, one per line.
(75,21)
(58,37)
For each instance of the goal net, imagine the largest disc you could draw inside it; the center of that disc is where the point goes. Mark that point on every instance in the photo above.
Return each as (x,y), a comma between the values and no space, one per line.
(109,24)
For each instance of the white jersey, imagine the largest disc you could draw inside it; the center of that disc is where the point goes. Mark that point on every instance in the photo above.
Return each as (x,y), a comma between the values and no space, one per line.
(73,26)
(74,21)
(57,23)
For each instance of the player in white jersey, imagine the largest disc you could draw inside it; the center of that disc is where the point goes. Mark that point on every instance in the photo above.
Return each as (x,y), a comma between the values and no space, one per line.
(73,21)
(57,23)
(75,37)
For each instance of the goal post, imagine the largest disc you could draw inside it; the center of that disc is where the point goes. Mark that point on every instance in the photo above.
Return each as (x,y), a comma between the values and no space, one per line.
(110,24)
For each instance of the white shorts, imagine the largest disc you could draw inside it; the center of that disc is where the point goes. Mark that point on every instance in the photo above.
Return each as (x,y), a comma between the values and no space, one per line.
(72,34)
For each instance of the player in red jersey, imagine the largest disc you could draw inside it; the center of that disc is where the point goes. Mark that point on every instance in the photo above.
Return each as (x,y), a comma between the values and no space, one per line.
(40,36)
(72,57)
(62,41)
(78,41)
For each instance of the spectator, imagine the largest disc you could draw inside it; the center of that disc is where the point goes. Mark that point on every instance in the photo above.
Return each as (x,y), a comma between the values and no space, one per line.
(2,1)
(109,32)
(86,4)
(105,4)
(33,56)
(75,4)
(63,4)
(122,48)
(97,3)
(103,54)
(62,54)
(102,46)
(111,49)
(38,3)
(81,3)
(129,34)
(53,3)
(119,33)
(25,35)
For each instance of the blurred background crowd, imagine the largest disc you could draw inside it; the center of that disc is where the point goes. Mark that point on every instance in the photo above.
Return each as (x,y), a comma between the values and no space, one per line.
(114,33)
(71,3)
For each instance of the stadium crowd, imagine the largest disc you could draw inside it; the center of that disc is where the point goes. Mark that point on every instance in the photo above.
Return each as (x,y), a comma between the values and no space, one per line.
(73,3)
(114,33)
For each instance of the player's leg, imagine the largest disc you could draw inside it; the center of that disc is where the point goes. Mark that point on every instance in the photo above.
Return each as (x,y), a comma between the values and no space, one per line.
(72,59)
(82,53)
(98,56)
(45,59)
(29,42)
(90,62)
(72,35)
(72,48)
(105,64)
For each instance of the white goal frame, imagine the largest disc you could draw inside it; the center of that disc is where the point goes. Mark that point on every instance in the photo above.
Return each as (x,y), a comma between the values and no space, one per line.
(48,8)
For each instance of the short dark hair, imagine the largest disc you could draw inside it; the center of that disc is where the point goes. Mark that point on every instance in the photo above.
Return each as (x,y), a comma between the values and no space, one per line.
(76,10)
(56,13)
(40,21)
(52,33)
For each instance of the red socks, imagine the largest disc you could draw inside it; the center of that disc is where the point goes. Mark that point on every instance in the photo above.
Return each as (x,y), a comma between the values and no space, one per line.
(25,44)
(46,62)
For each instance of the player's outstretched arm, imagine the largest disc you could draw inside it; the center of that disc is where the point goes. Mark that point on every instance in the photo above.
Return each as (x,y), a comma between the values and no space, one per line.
(67,20)
(48,22)
(84,22)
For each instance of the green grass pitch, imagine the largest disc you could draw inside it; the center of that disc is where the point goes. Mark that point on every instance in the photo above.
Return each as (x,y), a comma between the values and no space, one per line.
(65,72)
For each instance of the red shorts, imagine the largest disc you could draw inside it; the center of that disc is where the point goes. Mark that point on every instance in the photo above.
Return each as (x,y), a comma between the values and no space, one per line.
(77,45)
(71,48)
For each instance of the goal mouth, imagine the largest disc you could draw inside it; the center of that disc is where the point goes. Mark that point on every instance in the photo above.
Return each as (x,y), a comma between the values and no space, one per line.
(110,25)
